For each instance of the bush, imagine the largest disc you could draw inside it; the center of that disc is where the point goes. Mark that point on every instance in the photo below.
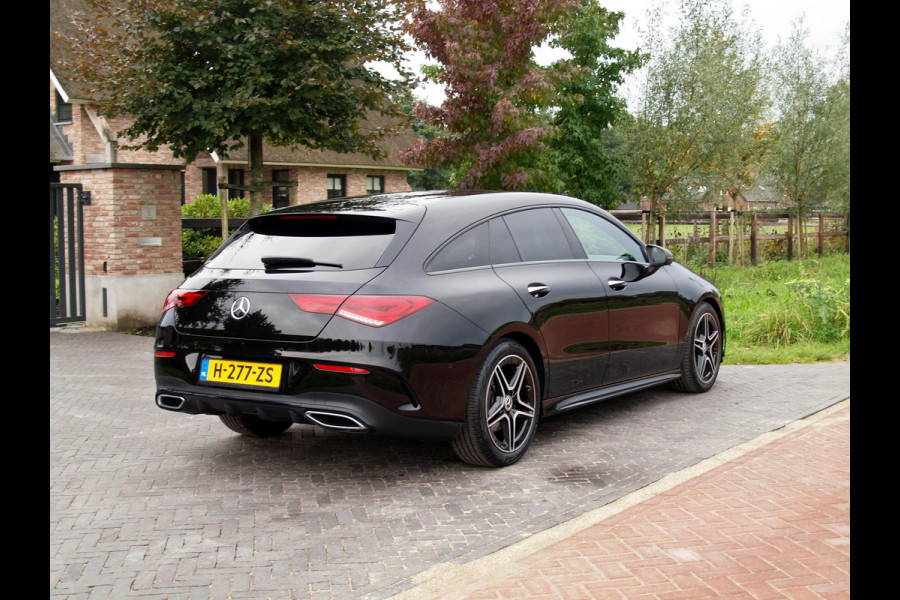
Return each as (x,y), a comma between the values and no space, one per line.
(198,244)
(207,206)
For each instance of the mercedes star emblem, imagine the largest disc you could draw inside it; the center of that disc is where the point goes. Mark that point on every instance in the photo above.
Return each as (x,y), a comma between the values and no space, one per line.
(240,308)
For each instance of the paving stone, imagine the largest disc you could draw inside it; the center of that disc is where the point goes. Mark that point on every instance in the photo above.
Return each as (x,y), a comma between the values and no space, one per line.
(195,511)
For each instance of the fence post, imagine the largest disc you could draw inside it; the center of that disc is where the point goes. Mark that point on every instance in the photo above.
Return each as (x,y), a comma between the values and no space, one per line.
(644,234)
(662,231)
(753,239)
(713,238)
(223,201)
(790,239)
(821,234)
(731,238)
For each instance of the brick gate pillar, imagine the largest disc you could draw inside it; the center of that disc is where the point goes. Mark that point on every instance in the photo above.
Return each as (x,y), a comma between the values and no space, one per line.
(132,237)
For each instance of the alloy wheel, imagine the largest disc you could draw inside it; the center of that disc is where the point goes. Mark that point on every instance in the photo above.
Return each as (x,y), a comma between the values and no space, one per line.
(510,403)
(707,349)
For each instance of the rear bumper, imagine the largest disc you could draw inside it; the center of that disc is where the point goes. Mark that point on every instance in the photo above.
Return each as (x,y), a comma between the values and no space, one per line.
(336,411)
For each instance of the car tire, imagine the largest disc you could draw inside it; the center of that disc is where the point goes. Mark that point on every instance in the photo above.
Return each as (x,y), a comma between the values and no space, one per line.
(254,427)
(503,408)
(702,352)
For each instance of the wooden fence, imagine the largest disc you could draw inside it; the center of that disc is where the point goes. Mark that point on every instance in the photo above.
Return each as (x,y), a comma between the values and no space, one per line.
(742,233)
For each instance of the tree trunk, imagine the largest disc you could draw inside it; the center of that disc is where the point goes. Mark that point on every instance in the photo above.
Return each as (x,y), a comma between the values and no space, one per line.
(257,173)
(801,216)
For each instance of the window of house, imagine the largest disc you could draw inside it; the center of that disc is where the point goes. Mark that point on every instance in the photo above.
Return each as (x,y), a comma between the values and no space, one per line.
(336,186)
(210,182)
(63,109)
(235,177)
(280,195)
(374,184)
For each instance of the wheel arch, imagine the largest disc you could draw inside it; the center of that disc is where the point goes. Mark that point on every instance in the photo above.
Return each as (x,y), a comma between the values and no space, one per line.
(534,351)
(716,303)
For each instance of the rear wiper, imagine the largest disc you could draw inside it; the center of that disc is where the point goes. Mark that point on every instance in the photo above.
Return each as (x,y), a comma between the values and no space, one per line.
(290,262)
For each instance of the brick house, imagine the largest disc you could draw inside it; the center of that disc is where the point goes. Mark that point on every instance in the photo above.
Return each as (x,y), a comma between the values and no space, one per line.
(319,174)
(133,224)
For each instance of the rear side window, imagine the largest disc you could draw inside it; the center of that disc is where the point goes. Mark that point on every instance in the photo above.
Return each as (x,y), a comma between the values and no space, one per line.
(503,249)
(470,249)
(352,242)
(538,235)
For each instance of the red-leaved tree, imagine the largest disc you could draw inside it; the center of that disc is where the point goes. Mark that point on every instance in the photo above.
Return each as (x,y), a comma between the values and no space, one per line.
(495,91)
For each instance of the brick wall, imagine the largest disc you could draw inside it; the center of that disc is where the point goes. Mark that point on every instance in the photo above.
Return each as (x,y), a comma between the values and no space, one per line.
(131,211)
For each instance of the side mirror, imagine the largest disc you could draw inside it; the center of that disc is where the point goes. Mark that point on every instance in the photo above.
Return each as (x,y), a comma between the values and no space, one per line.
(659,256)
(632,271)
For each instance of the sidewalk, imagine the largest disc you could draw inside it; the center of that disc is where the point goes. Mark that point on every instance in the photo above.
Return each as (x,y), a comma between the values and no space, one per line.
(767,519)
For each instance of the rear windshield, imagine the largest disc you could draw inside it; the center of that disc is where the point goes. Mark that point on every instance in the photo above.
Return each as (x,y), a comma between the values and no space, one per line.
(329,241)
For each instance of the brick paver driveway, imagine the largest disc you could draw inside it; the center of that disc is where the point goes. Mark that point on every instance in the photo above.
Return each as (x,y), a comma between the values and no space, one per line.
(149,504)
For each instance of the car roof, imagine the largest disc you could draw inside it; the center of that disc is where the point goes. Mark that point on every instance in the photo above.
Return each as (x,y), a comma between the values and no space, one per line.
(411,206)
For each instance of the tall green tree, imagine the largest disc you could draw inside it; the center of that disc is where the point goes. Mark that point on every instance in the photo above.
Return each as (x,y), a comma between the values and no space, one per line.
(839,100)
(836,191)
(700,107)
(583,156)
(810,154)
(496,92)
(213,75)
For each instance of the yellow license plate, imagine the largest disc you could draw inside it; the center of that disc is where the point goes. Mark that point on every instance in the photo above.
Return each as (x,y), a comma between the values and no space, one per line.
(234,372)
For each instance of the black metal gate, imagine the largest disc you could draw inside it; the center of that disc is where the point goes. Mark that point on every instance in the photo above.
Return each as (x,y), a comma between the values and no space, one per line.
(67,252)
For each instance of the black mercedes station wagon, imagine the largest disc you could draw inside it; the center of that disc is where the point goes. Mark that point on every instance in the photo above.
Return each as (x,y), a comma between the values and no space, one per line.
(464,317)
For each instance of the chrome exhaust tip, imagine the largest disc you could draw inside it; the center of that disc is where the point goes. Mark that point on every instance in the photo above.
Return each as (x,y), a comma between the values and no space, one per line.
(170,402)
(331,420)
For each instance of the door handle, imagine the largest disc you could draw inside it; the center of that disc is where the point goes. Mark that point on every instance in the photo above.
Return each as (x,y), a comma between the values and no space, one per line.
(616,283)
(538,290)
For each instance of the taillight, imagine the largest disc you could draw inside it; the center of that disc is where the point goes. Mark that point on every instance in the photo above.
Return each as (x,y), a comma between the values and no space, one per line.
(378,311)
(182,298)
(374,311)
(318,303)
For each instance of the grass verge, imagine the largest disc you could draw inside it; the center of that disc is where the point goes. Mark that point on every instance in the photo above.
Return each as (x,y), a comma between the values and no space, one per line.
(786,311)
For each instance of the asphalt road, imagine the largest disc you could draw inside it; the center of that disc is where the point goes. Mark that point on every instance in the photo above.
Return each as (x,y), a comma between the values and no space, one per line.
(150,504)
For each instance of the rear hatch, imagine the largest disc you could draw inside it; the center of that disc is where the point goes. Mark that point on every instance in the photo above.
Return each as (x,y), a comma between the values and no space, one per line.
(256,283)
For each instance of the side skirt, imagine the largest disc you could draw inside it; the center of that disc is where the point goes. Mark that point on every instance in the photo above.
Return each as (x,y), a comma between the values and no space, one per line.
(610,392)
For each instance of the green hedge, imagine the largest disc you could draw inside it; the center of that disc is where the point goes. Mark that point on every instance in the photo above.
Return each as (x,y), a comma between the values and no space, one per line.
(198,244)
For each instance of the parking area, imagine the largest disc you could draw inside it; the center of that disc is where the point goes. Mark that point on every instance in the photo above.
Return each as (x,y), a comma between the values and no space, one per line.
(145,503)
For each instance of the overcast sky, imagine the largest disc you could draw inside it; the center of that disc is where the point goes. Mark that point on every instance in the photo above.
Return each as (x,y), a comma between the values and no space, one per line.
(825,20)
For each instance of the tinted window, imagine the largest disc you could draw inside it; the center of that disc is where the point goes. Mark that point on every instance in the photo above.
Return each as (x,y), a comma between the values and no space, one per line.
(503,249)
(469,249)
(538,235)
(352,242)
(601,239)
